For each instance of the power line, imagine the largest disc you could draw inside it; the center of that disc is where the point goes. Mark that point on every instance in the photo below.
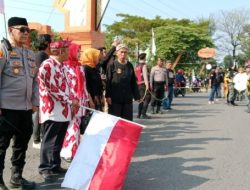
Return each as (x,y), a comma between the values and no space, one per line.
(156,8)
(172,8)
(50,14)
(25,2)
(33,10)
(114,9)
(136,7)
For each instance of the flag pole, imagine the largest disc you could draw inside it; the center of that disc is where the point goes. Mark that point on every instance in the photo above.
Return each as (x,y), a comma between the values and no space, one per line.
(5,25)
(2,11)
(94,110)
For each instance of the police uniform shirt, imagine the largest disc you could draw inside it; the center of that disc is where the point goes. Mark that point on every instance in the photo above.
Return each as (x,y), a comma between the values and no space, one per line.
(18,84)
(158,74)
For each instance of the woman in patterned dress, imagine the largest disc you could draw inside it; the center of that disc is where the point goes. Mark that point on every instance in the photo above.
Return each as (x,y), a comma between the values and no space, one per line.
(77,83)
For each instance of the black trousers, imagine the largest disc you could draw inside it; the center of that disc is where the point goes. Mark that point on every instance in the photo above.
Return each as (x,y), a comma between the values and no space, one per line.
(143,106)
(158,91)
(16,124)
(37,128)
(122,110)
(54,133)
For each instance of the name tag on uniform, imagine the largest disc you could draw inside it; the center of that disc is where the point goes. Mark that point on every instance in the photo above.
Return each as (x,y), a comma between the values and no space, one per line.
(13,53)
(17,63)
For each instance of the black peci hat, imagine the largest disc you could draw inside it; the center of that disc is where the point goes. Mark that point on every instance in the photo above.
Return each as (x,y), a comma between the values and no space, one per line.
(15,21)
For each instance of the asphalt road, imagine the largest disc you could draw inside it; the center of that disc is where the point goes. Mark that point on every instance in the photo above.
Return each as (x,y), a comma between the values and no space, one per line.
(194,146)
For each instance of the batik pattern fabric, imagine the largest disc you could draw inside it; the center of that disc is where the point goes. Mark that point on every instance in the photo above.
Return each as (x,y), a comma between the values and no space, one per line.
(54,92)
(77,84)
(72,137)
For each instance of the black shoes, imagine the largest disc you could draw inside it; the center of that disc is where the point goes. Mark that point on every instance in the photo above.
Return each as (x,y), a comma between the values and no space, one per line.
(17,181)
(145,116)
(59,170)
(51,174)
(234,104)
(47,176)
(159,112)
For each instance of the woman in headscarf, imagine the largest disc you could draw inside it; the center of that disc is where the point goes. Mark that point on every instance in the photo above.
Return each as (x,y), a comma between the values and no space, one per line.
(90,59)
(77,83)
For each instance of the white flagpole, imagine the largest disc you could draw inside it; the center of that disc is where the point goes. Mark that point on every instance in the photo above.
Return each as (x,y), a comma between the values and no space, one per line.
(153,48)
(5,25)
(97,111)
(2,11)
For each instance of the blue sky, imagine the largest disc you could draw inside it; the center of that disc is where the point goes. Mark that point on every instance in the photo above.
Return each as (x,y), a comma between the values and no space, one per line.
(43,11)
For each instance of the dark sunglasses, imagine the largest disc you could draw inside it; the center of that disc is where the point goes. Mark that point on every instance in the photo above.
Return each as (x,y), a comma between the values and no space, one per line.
(23,29)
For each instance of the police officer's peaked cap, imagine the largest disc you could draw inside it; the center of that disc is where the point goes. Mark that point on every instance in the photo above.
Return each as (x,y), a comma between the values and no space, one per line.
(142,55)
(15,21)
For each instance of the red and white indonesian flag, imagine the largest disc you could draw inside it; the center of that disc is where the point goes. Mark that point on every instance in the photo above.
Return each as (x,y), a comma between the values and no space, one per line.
(104,154)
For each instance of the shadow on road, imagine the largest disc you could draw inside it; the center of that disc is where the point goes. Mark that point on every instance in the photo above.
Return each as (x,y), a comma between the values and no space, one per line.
(153,167)
(156,165)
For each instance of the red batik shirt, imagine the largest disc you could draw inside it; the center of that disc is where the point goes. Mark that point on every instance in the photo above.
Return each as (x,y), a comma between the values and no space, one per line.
(54,92)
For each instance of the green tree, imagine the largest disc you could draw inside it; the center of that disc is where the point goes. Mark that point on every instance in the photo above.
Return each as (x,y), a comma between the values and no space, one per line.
(34,40)
(56,36)
(173,39)
(245,42)
(172,35)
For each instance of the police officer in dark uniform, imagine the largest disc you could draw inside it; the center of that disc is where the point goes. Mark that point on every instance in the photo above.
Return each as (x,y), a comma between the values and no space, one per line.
(121,85)
(18,97)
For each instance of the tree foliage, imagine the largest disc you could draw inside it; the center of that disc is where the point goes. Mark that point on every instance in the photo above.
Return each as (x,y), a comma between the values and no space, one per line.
(33,40)
(173,39)
(230,30)
(172,35)
(245,42)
